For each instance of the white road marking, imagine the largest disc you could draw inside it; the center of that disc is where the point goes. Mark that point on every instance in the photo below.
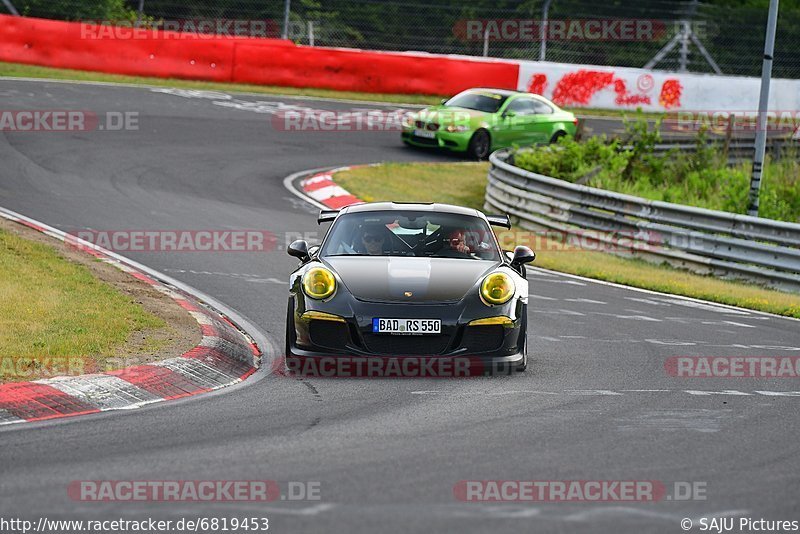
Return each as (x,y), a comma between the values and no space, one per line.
(723,392)
(702,306)
(734,323)
(671,298)
(628,317)
(587,301)
(591,392)
(540,297)
(608,392)
(648,301)
(548,338)
(557,312)
(570,282)
(671,342)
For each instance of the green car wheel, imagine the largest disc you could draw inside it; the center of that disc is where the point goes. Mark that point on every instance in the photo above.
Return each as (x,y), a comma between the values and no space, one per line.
(479,145)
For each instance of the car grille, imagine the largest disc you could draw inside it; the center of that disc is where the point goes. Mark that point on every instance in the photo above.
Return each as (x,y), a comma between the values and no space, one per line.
(420,124)
(483,338)
(406,345)
(425,141)
(328,334)
(432,126)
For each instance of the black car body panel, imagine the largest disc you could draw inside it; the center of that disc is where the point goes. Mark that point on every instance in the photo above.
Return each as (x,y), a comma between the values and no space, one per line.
(400,287)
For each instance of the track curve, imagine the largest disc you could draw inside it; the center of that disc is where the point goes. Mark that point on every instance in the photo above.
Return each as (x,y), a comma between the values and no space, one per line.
(597,403)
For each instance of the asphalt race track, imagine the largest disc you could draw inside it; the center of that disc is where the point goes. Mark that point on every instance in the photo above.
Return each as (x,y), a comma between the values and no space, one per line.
(596,403)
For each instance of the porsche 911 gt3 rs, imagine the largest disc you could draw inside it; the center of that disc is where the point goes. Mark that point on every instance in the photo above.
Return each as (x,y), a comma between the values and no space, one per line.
(409,280)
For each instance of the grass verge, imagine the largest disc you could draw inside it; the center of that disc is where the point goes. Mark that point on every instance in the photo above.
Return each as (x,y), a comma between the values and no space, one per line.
(63,316)
(464,184)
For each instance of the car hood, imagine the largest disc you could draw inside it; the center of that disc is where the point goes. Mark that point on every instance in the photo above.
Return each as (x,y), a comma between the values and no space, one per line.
(391,279)
(451,115)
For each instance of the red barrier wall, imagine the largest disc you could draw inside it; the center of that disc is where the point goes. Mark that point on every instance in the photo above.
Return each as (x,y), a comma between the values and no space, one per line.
(371,72)
(249,60)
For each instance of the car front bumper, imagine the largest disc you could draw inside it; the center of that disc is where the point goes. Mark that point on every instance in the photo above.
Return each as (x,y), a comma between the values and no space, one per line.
(345,340)
(455,141)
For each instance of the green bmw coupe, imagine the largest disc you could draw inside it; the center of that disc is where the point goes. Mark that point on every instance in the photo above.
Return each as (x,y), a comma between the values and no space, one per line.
(479,121)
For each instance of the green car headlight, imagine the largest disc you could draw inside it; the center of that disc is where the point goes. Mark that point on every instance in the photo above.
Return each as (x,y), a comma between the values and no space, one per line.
(408,121)
(319,283)
(497,288)
(453,128)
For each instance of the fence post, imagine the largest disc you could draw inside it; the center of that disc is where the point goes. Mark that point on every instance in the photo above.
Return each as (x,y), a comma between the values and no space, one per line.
(763,104)
(286,8)
(543,30)
(11,8)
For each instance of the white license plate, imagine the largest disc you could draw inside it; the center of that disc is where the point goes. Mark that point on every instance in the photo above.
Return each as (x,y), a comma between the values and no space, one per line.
(427,134)
(406,326)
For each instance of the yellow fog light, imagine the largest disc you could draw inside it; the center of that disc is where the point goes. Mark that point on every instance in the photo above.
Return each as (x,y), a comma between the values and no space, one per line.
(319,283)
(500,319)
(497,288)
(321,316)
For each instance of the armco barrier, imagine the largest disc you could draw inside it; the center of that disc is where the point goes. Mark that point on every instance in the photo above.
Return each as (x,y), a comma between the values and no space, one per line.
(241,59)
(702,240)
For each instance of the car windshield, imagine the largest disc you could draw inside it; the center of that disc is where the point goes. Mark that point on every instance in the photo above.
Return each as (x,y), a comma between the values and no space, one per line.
(485,101)
(411,233)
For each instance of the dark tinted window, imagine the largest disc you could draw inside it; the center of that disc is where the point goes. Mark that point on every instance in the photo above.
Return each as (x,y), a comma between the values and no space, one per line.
(522,106)
(411,233)
(478,100)
(542,108)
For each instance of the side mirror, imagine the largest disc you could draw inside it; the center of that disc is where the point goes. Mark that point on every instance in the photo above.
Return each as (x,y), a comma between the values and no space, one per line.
(522,255)
(508,114)
(298,249)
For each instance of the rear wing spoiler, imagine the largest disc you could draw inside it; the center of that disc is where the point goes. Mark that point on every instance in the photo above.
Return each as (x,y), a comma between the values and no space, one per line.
(327,216)
(499,220)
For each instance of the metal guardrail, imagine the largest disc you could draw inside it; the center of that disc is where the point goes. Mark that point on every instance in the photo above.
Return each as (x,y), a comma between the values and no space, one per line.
(736,149)
(698,239)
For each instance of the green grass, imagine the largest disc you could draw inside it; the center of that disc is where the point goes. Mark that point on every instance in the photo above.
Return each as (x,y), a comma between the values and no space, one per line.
(51,307)
(464,184)
(700,178)
(452,183)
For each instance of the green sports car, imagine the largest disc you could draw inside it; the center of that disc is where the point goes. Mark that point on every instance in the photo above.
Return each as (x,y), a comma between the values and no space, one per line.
(479,121)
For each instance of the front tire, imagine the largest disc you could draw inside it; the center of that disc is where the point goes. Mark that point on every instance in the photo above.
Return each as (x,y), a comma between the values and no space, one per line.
(479,145)
(556,136)
(523,366)
(290,333)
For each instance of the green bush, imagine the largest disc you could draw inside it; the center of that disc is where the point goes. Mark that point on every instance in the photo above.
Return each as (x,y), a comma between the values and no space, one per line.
(698,178)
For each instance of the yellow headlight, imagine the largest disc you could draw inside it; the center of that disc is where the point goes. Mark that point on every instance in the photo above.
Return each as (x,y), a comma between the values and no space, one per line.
(319,283)
(497,288)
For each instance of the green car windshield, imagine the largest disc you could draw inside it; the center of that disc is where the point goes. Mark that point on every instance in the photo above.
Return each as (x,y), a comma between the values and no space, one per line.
(480,101)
